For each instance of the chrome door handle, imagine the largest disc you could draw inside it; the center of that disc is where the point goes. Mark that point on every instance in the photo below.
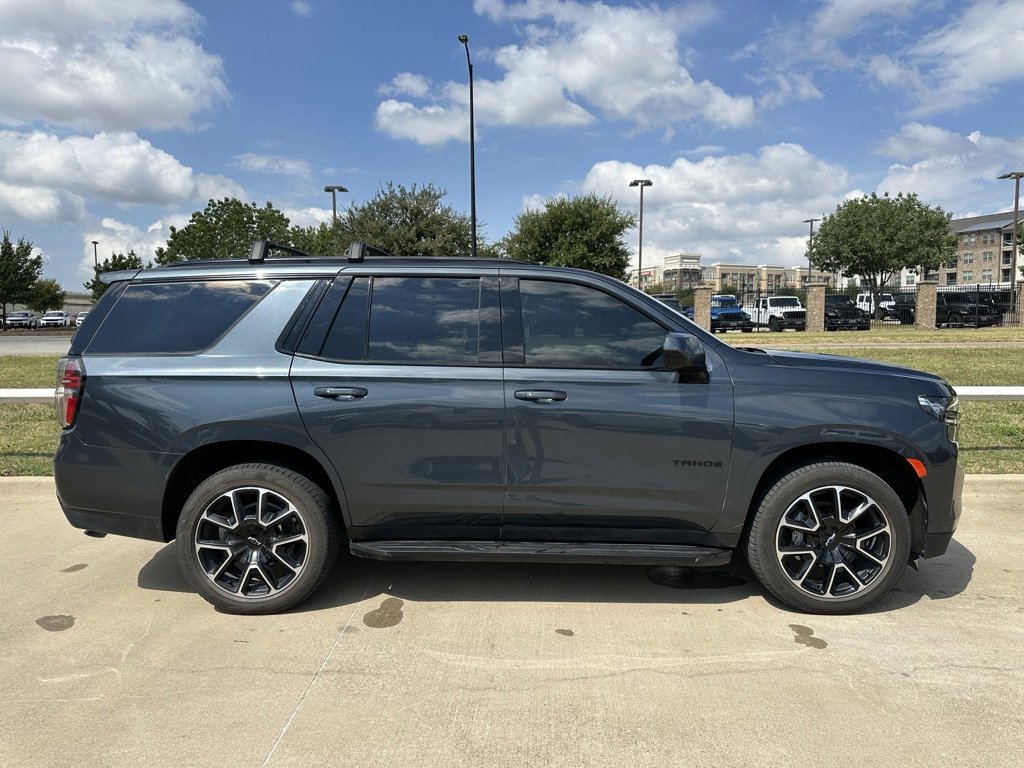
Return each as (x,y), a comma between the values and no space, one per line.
(341,393)
(541,395)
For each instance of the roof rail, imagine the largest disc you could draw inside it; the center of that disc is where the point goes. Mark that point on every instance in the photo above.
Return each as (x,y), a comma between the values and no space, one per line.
(260,249)
(358,250)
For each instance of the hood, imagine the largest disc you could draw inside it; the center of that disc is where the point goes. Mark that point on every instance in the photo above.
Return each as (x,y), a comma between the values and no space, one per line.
(922,382)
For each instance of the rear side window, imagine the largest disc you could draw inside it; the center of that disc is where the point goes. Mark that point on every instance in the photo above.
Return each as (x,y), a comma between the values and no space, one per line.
(162,318)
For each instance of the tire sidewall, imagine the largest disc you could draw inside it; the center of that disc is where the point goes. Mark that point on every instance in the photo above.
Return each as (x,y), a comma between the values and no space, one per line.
(317,515)
(761,552)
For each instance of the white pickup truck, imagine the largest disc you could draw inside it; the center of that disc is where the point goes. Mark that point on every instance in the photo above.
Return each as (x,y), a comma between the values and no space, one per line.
(778,313)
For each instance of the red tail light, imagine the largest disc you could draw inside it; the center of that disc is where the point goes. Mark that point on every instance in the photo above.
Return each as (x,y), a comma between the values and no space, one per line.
(70,380)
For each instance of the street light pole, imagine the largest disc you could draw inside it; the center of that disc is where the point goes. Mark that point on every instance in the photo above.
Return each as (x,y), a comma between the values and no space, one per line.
(1016,176)
(334,189)
(472,152)
(95,258)
(810,242)
(640,249)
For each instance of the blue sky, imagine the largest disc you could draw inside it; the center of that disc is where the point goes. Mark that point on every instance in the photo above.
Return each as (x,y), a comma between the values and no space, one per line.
(119,119)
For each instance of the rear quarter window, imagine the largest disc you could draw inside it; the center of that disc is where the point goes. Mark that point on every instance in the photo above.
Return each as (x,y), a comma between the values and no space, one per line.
(178,317)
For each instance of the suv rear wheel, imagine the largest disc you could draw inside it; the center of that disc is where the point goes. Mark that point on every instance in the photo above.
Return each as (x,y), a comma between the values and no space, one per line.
(257,538)
(829,537)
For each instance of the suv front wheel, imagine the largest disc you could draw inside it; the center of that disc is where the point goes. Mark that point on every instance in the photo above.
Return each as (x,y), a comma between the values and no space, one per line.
(257,538)
(829,537)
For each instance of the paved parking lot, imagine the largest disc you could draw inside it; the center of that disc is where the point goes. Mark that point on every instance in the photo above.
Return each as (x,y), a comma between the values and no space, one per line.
(107,658)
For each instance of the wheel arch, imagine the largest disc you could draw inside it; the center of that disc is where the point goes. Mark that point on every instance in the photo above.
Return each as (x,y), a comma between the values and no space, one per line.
(890,466)
(203,461)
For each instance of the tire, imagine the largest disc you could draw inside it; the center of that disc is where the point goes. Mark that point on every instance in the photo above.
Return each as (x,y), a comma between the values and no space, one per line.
(955,319)
(773,325)
(859,561)
(246,562)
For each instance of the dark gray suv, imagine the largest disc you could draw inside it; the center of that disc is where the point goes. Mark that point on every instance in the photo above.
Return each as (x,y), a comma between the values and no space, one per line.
(267,412)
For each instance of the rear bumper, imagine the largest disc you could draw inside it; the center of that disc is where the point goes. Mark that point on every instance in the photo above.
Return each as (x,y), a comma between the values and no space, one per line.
(110,490)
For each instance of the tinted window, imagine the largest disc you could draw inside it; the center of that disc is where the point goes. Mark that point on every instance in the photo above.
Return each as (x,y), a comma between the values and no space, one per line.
(573,326)
(425,320)
(160,318)
(347,339)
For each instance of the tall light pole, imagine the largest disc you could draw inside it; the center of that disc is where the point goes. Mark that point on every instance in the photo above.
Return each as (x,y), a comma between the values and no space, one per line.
(95,258)
(334,189)
(810,242)
(640,249)
(472,152)
(1016,176)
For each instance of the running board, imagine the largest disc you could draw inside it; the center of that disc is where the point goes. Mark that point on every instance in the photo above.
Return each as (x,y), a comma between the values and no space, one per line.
(542,552)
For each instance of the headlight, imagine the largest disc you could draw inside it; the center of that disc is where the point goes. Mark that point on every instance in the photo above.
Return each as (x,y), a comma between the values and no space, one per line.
(946,409)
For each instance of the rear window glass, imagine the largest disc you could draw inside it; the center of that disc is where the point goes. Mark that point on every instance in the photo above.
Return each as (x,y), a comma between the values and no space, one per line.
(161,318)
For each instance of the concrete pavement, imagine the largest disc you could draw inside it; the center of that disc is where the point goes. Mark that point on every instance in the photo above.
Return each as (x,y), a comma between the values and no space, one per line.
(108,658)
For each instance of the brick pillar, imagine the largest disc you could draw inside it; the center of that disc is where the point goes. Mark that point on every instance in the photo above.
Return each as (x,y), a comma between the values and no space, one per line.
(925,308)
(815,306)
(1019,318)
(702,306)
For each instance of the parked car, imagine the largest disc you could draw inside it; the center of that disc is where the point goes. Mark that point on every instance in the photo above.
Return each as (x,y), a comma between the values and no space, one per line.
(81,317)
(778,313)
(842,314)
(951,309)
(671,300)
(266,413)
(887,302)
(22,319)
(55,318)
(727,314)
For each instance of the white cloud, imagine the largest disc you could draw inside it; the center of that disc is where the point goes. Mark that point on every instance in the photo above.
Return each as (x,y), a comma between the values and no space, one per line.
(747,207)
(308,217)
(285,166)
(840,19)
(430,125)
(95,65)
(114,236)
(966,60)
(39,204)
(407,84)
(302,8)
(955,171)
(576,62)
(46,178)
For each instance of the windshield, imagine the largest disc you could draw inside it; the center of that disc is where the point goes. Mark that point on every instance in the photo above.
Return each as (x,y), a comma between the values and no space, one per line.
(725,301)
(54,314)
(786,301)
(838,300)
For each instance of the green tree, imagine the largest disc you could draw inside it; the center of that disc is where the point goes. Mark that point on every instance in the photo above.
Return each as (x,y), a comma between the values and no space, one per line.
(876,237)
(584,231)
(44,295)
(1020,248)
(323,239)
(225,229)
(19,270)
(407,222)
(115,263)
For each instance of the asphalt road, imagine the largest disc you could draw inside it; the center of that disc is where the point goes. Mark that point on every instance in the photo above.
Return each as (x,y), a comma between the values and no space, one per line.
(108,658)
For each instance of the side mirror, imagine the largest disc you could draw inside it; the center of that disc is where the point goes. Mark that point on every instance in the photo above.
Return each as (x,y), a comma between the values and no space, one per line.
(684,353)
